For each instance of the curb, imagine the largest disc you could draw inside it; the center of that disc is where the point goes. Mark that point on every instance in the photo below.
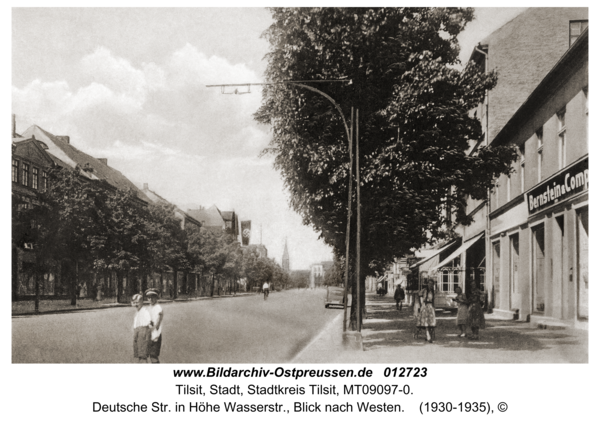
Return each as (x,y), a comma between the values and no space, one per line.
(119,305)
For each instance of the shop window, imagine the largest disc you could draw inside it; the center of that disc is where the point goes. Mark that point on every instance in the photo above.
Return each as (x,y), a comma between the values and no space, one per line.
(450,279)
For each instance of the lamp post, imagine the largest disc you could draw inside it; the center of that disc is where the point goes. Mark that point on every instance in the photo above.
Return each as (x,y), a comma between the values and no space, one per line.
(350,135)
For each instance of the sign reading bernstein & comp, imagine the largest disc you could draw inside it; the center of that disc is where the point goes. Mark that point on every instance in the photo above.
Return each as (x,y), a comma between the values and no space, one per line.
(567,183)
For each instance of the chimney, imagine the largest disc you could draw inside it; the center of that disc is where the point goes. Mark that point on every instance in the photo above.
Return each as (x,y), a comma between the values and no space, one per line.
(14,125)
(145,186)
(104,161)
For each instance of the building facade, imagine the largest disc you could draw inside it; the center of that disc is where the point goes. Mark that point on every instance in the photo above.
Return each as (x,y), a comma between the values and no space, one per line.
(523,53)
(539,214)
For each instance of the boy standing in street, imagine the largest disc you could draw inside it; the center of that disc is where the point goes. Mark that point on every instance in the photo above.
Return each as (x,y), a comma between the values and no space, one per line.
(156,314)
(142,328)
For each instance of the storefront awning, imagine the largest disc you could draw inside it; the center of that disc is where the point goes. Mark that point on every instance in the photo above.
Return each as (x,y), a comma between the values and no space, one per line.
(458,252)
(434,255)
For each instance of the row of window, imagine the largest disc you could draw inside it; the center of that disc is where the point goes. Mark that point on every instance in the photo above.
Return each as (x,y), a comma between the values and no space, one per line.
(29,176)
(561,153)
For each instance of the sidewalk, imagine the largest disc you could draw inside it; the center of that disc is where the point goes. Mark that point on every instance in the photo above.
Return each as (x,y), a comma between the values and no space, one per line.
(388,337)
(25,308)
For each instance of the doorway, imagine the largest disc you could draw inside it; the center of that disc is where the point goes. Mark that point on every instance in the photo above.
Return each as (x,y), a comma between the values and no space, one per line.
(539,257)
(582,264)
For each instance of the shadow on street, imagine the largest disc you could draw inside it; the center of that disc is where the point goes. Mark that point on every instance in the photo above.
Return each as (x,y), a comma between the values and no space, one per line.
(387,327)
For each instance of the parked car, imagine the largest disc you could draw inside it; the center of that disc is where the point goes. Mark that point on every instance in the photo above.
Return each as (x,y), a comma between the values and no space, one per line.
(335,297)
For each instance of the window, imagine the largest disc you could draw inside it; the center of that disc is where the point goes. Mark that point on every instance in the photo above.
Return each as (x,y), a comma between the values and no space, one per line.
(35,178)
(575,30)
(15,170)
(540,157)
(522,152)
(562,140)
(25,178)
(44,180)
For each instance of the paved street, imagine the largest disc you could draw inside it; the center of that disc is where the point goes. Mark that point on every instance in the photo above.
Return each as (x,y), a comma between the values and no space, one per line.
(235,330)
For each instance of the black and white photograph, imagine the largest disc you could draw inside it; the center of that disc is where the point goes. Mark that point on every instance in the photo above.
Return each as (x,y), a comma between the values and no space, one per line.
(302,187)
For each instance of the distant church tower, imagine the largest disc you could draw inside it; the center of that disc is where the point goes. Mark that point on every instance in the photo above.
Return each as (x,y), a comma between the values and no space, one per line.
(285,261)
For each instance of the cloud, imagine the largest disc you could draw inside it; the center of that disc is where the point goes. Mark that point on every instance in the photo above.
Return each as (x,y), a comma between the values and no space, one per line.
(157,123)
(113,72)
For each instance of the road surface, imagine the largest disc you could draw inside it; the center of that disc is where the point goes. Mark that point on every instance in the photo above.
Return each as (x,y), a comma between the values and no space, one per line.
(221,330)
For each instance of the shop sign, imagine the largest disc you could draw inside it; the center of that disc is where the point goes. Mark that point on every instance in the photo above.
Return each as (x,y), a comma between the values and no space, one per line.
(567,183)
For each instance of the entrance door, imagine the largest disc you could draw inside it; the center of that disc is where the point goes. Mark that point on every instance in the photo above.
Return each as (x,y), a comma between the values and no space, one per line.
(515,296)
(582,264)
(496,275)
(539,256)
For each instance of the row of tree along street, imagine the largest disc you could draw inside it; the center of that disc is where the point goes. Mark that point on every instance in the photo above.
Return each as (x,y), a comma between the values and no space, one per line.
(80,227)
(421,154)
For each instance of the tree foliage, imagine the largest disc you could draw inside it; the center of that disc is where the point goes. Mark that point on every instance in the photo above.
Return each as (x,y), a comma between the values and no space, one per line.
(88,223)
(417,135)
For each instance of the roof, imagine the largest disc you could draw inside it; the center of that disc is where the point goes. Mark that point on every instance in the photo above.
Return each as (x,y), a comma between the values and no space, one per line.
(70,156)
(155,198)
(210,217)
(227,215)
(522,52)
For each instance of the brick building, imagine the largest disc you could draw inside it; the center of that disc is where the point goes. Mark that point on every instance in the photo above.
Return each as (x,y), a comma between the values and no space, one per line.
(539,214)
(522,52)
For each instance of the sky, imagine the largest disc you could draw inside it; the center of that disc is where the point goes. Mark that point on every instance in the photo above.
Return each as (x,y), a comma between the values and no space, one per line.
(129,85)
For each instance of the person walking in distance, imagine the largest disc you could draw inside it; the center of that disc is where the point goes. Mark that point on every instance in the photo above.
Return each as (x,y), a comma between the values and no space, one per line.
(399,297)
(156,314)
(142,328)
(265,289)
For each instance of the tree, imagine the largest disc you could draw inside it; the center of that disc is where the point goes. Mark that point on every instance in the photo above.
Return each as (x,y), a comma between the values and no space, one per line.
(415,126)
(334,275)
(125,243)
(70,224)
(257,269)
(167,242)
(299,278)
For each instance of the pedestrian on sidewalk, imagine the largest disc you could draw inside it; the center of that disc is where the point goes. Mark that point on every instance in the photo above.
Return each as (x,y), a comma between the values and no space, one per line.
(426,318)
(475,317)
(399,297)
(142,328)
(463,311)
(156,315)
